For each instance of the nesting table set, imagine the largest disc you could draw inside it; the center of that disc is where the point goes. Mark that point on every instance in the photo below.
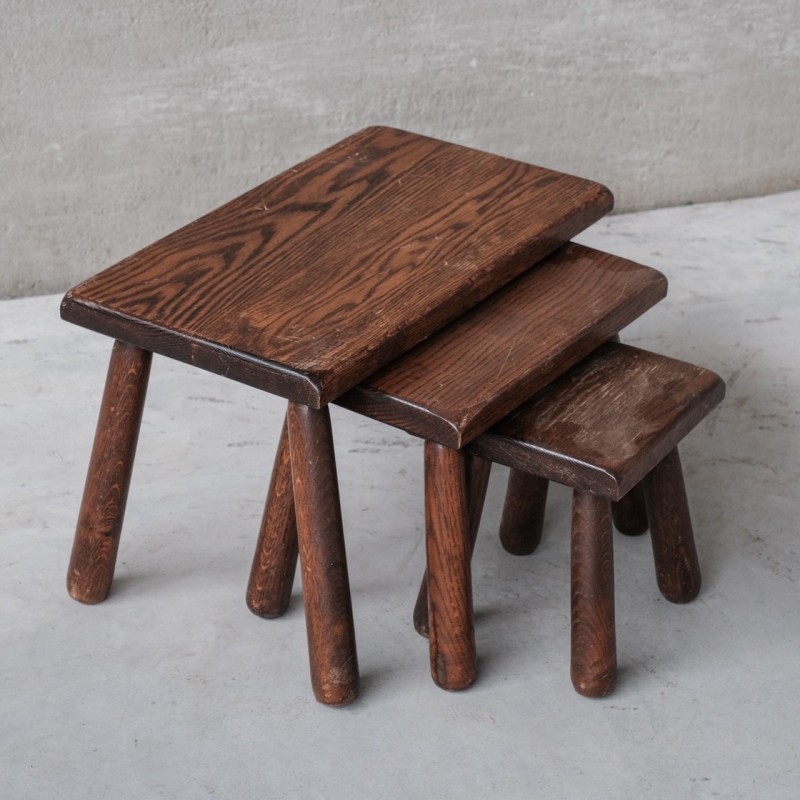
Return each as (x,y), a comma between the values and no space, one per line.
(431,287)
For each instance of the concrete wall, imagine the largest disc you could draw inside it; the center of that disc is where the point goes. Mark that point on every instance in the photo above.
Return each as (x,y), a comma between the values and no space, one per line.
(121,120)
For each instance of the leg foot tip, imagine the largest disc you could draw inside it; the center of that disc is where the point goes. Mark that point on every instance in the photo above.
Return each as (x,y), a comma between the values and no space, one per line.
(88,598)
(683,597)
(340,696)
(601,688)
(681,591)
(630,530)
(455,686)
(464,678)
(267,612)
(519,550)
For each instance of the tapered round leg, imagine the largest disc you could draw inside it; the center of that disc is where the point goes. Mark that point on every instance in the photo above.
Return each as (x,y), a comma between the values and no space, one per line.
(477,474)
(275,559)
(94,550)
(523,513)
(677,567)
(630,513)
(594,648)
(326,588)
(452,635)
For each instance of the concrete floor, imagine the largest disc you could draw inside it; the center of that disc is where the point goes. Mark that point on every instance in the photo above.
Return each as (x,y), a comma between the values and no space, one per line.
(173,689)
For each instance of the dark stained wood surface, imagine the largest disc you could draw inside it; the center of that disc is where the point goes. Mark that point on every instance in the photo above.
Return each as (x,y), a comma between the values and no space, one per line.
(630,512)
(477,472)
(473,372)
(522,522)
(449,550)
(269,589)
(594,640)
(97,535)
(323,560)
(677,566)
(607,422)
(308,283)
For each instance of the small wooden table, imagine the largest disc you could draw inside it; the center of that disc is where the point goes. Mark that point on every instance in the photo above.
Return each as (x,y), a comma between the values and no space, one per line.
(304,286)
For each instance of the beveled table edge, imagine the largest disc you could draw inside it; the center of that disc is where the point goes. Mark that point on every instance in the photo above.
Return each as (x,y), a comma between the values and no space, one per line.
(245,368)
(425,423)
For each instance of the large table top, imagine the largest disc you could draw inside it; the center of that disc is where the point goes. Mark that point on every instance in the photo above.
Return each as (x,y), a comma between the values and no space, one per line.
(307,284)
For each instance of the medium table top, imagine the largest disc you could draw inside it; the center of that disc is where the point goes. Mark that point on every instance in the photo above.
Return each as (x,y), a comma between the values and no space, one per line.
(307,284)
(471,373)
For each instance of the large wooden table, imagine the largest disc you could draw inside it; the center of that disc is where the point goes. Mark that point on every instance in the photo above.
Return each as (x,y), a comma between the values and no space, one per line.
(304,287)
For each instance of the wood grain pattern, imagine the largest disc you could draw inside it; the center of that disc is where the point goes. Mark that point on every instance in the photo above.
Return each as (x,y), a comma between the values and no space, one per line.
(479,368)
(94,550)
(523,513)
(477,476)
(599,429)
(594,647)
(607,422)
(677,566)
(308,283)
(274,563)
(452,635)
(323,561)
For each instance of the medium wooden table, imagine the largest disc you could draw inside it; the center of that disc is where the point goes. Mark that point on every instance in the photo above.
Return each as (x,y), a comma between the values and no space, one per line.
(448,390)
(304,286)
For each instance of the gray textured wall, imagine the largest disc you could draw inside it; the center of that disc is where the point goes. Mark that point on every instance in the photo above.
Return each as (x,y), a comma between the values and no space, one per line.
(121,120)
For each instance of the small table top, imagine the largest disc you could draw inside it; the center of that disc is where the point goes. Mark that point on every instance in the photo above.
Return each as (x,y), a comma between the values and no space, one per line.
(307,284)
(471,373)
(605,423)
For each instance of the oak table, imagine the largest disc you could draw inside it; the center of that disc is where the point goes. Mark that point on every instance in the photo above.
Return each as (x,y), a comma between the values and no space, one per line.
(608,425)
(304,286)
(450,389)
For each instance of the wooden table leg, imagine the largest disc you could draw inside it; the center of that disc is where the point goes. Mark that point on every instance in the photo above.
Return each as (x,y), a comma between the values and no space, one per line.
(477,473)
(677,567)
(452,635)
(630,513)
(523,513)
(94,550)
(594,648)
(275,559)
(326,588)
